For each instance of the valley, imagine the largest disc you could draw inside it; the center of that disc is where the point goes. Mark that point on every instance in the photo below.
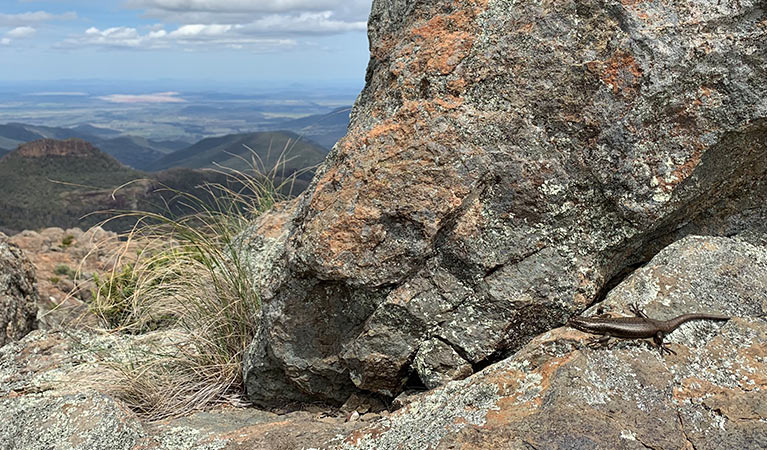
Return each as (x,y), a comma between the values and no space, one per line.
(68,158)
(153,141)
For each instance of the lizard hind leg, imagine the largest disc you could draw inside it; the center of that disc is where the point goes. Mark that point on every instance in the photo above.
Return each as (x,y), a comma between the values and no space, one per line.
(662,346)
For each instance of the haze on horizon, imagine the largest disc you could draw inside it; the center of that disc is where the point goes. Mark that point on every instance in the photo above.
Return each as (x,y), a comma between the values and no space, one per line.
(195,41)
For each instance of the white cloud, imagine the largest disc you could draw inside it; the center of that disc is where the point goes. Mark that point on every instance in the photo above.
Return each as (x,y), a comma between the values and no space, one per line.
(304,23)
(191,36)
(237,5)
(111,37)
(21,32)
(5,41)
(198,30)
(347,15)
(158,97)
(255,25)
(32,18)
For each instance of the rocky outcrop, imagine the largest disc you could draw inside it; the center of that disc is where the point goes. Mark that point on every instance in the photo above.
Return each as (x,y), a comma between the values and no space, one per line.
(506,164)
(44,148)
(556,392)
(18,294)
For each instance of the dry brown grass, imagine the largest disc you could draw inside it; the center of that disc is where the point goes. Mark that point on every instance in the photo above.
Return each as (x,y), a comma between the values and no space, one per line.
(189,276)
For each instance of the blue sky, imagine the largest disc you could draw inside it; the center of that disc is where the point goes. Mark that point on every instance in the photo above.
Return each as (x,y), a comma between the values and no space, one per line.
(219,40)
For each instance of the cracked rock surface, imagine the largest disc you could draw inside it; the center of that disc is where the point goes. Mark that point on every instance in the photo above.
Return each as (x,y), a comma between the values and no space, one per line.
(505,165)
(557,392)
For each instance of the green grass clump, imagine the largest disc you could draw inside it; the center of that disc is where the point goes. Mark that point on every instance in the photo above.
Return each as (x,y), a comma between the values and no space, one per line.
(189,276)
(64,270)
(67,241)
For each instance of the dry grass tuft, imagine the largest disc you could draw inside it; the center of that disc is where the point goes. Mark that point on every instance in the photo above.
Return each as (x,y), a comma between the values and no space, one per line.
(189,277)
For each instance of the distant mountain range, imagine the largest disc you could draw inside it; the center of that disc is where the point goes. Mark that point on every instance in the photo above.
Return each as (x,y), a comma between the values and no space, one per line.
(133,151)
(62,183)
(324,129)
(280,151)
(309,138)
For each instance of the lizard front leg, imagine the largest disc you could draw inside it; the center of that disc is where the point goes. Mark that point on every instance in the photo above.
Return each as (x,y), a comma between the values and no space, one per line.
(598,341)
(634,308)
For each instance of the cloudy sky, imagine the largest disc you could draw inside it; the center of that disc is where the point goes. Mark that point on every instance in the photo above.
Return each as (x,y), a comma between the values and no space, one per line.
(183,39)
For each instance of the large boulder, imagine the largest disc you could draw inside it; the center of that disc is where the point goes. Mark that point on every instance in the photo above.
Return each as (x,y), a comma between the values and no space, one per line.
(506,164)
(18,294)
(557,392)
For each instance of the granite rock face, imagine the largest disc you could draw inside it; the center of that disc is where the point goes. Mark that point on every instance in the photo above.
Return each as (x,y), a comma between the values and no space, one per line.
(505,164)
(18,294)
(557,392)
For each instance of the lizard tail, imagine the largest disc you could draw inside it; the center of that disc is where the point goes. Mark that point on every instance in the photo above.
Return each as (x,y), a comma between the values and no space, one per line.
(675,322)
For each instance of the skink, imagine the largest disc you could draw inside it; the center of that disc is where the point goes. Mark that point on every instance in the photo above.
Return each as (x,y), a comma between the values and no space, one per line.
(639,327)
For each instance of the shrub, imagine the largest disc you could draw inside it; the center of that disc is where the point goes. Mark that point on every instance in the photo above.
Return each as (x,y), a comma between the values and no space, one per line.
(67,241)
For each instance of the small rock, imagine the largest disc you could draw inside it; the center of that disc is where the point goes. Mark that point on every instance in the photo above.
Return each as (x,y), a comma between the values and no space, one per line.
(370,417)
(437,363)
(363,404)
(406,398)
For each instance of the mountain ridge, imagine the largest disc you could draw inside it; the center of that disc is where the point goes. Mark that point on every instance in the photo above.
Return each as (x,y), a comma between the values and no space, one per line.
(131,150)
(322,130)
(68,183)
(284,151)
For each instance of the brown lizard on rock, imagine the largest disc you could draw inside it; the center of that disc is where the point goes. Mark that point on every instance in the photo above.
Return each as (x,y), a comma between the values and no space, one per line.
(638,327)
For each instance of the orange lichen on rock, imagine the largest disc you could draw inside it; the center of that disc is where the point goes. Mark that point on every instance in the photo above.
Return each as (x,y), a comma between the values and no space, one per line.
(446,39)
(622,73)
(457,85)
(386,128)
(442,50)
(367,433)
(390,176)
(516,403)
(272,225)
(733,403)
(694,388)
(471,222)
(685,170)
(753,364)
(449,102)
(526,28)
(632,4)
